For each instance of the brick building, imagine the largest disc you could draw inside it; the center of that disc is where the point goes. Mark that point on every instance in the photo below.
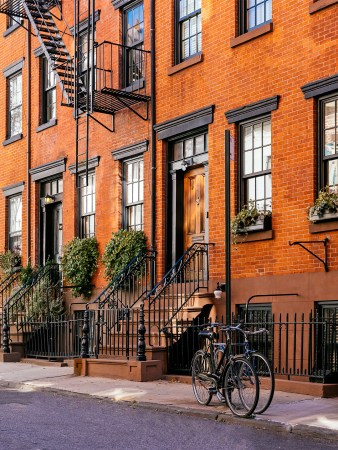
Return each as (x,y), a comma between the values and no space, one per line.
(262,70)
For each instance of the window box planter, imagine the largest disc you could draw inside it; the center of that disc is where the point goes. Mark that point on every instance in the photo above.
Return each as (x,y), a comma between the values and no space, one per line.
(262,223)
(327,215)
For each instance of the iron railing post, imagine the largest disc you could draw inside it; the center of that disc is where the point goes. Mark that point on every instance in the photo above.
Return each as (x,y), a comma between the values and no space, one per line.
(141,349)
(85,336)
(5,333)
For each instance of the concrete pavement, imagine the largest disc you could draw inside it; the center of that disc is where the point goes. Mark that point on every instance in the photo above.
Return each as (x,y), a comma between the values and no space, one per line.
(294,413)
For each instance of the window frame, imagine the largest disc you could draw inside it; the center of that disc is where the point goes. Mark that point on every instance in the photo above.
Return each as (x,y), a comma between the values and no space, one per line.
(45,90)
(242,197)
(81,215)
(126,206)
(178,34)
(242,16)
(17,233)
(322,177)
(126,79)
(9,109)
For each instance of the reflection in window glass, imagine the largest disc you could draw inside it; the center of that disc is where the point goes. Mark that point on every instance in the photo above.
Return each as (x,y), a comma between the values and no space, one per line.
(330,141)
(256,150)
(190,28)
(256,12)
(187,148)
(87,205)
(15,223)
(15,105)
(133,196)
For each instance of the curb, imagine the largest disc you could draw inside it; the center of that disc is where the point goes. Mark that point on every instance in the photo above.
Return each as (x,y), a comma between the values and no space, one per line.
(228,418)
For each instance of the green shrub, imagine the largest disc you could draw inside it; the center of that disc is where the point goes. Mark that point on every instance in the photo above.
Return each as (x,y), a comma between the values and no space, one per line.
(79,263)
(9,261)
(121,249)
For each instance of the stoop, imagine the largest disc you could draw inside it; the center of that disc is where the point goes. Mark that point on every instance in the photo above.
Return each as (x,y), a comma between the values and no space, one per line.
(131,370)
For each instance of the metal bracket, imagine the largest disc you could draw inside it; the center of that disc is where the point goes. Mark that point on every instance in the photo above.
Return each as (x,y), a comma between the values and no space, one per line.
(324,242)
(111,130)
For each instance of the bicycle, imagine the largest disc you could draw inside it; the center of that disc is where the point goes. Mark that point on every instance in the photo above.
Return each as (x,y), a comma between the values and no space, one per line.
(233,376)
(259,362)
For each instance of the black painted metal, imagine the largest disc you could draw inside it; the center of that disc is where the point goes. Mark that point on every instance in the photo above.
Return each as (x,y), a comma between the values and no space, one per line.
(299,349)
(141,349)
(131,285)
(85,336)
(5,333)
(189,275)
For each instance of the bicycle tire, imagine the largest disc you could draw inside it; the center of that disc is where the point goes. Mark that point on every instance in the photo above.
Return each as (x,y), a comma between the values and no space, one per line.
(241,387)
(266,379)
(200,365)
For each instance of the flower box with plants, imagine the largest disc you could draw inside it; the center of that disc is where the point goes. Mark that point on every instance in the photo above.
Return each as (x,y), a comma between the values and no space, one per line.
(325,207)
(250,219)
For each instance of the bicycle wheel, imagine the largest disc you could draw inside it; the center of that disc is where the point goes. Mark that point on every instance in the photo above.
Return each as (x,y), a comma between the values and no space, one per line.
(266,379)
(241,387)
(201,385)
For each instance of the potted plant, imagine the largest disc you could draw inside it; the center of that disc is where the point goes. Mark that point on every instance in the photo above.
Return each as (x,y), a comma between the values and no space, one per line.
(250,219)
(326,205)
(121,249)
(79,262)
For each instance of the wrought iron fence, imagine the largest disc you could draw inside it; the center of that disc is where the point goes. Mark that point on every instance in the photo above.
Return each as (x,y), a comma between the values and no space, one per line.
(110,333)
(306,348)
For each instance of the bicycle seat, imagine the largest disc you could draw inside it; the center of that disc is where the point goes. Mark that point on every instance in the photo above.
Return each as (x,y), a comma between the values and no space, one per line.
(206,334)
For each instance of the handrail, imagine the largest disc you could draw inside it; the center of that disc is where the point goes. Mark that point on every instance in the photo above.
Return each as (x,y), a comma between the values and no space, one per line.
(131,284)
(187,276)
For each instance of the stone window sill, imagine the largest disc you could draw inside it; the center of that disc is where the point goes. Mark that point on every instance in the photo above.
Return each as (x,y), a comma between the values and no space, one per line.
(46,125)
(11,29)
(318,5)
(322,227)
(185,64)
(250,35)
(12,139)
(254,236)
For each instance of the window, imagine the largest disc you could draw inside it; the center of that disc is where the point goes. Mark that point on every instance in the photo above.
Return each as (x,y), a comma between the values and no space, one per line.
(87,205)
(133,33)
(85,58)
(255,138)
(254,13)
(15,223)
(189,147)
(189,28)
(49,92)
(133,194)
(14,105)
(329,142)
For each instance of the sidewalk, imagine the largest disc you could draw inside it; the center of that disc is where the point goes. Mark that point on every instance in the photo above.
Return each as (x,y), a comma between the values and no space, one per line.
(294,413)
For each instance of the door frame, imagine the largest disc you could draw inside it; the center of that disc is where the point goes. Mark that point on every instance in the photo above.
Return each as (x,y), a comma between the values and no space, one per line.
(43,223)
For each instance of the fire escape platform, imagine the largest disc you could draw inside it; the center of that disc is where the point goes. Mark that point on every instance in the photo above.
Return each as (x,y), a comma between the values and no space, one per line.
(109,100)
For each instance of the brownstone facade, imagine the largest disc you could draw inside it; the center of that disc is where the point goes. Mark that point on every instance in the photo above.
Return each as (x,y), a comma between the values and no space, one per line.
(279,70)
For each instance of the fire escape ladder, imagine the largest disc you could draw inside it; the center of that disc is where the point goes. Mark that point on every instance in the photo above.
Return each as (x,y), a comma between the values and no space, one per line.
(51,41)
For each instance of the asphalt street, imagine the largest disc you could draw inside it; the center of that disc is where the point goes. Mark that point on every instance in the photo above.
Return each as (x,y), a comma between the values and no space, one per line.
(41,420)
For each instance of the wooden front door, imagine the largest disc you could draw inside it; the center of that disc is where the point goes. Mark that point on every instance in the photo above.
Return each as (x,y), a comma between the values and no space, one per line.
(194,207)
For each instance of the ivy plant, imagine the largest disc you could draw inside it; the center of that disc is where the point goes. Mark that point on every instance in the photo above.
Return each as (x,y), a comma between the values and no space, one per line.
(79,263)
(121,249)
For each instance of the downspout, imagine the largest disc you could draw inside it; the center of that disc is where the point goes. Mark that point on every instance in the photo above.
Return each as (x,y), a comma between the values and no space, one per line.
(28,140)
(153,132)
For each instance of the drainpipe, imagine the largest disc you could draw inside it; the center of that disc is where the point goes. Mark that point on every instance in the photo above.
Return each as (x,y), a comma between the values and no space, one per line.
(153,133)
(227,229)
(28,140)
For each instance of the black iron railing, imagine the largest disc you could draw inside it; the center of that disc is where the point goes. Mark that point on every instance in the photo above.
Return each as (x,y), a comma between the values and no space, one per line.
(298,349)
(34,298)
(189,275)
(132,284)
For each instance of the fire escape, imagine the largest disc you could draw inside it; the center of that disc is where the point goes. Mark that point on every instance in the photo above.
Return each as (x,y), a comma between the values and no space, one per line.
(101,77)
